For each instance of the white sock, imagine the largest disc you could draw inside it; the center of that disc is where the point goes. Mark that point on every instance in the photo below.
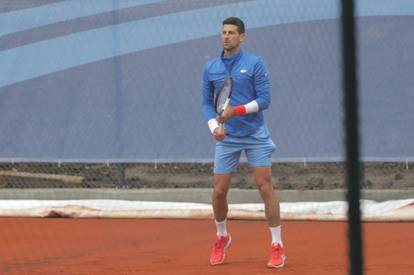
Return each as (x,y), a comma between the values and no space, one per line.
(221,228)
(276,235)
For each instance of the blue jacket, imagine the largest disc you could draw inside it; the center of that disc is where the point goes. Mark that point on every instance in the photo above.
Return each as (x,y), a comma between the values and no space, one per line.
(250,82)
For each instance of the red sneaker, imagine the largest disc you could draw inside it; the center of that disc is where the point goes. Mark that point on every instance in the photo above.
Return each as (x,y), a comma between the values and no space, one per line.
(218,252)
(277,256)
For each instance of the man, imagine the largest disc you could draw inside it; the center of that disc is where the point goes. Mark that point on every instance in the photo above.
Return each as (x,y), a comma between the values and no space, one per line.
(244,130)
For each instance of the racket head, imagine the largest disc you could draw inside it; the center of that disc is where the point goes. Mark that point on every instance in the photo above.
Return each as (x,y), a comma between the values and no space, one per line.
(222,95)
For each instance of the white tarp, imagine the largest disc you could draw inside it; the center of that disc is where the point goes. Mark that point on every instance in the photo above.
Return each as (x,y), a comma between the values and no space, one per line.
(393,210)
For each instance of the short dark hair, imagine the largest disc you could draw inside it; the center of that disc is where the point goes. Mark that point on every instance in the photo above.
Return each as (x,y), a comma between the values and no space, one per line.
(235,21)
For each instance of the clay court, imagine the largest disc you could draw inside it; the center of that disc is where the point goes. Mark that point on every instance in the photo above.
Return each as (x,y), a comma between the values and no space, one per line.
(144,246)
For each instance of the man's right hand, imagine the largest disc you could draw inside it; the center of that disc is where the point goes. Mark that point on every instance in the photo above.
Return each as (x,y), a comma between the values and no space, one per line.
(220,133)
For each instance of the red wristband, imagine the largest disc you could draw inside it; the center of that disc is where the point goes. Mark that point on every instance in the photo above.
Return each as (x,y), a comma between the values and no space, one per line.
(239,110)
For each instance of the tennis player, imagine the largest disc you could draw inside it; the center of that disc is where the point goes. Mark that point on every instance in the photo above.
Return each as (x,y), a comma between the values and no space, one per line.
(244,130)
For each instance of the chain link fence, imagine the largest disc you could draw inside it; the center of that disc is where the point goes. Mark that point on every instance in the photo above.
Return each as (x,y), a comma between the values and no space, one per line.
(287,176)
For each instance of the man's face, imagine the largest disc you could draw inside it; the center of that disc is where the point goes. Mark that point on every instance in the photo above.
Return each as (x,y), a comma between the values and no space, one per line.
(231,38)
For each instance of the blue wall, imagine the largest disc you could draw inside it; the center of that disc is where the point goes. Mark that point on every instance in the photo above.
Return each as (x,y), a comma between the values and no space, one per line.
(120,80)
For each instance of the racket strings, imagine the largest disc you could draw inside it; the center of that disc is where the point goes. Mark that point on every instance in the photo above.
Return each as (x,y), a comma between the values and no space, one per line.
(223,95)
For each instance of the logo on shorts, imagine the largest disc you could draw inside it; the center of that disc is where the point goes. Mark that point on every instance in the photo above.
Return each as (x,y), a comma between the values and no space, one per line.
(243,71)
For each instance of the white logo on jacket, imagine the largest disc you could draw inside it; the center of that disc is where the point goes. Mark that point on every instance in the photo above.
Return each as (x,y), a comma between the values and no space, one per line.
(243,71)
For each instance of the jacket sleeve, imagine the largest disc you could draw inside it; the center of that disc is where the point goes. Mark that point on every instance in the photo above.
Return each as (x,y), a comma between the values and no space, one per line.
(262,85)
(207,104)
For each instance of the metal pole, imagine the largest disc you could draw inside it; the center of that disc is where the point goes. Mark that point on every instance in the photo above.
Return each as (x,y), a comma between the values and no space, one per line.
(120,171)
(353,169)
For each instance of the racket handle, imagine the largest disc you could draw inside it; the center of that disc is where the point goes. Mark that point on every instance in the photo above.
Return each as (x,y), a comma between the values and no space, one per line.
(221,127)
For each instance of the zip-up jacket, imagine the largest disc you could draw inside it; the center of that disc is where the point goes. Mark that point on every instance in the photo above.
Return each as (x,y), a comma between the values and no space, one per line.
(250,82)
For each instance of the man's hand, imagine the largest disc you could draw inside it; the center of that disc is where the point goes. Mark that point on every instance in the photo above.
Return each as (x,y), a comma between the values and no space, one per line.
(227,114)
(220,133)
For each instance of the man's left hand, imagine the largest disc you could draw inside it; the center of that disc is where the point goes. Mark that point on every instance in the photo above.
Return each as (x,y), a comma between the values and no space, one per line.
(227,114)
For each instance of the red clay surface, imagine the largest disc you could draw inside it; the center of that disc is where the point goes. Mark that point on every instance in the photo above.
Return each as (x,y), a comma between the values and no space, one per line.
(128,246)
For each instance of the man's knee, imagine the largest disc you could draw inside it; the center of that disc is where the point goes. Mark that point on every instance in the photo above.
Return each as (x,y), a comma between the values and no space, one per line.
(221,187)
(265,187)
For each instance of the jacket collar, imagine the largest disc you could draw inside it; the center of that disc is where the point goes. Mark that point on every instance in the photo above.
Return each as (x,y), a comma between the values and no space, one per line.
(234,58)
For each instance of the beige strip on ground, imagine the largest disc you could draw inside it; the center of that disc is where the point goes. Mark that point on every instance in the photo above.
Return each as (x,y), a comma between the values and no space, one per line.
(61,177)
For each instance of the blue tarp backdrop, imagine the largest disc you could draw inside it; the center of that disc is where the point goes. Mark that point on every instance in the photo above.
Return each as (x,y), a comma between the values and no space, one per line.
(121,80)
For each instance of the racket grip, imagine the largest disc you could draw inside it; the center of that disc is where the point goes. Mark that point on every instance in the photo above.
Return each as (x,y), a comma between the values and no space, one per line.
(221,127)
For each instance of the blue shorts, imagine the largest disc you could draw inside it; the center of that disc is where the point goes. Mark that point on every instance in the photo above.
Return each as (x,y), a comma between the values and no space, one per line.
(258,148)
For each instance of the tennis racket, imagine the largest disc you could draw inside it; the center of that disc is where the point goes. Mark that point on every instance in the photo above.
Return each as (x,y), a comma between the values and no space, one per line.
(222,97)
